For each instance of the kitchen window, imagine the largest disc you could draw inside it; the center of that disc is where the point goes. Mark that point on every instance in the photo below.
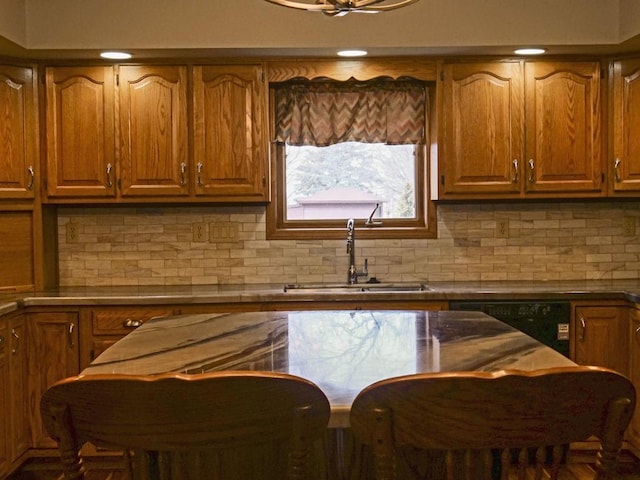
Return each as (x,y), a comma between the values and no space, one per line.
(350,150)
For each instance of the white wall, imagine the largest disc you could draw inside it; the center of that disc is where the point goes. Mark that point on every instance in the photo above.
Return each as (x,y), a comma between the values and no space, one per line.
(629,19)
(13,25)
(65,24)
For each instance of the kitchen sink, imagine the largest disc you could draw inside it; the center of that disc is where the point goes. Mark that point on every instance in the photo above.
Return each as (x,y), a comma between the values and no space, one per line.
(355,288)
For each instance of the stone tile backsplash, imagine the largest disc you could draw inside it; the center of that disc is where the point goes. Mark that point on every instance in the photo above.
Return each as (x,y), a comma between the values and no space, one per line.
(155,246)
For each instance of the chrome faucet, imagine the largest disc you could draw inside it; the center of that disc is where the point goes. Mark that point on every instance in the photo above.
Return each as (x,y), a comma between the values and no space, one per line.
(353,273)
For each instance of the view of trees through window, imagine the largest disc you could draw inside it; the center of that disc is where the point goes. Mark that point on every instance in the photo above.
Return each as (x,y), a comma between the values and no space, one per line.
(347,180)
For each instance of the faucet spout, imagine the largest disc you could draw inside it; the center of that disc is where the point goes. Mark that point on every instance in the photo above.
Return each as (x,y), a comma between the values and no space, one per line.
(352,272)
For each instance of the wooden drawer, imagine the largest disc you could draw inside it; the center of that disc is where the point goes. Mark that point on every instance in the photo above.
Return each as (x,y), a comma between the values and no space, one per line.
(123,321)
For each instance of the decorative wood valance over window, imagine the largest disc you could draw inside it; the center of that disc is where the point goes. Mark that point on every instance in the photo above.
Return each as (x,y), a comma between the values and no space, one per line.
(326,112)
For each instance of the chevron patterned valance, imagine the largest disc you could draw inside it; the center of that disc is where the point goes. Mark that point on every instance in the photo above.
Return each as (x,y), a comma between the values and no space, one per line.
(324,113)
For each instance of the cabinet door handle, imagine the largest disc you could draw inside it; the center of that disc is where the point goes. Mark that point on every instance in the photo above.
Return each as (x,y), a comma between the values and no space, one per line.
(109,180)
(616,169)
(516,173)
(70,328)
(1,340)
(583,329)
(130,323)
(532,166)
(183,169)
(16,337)
(200,165)
(32,176)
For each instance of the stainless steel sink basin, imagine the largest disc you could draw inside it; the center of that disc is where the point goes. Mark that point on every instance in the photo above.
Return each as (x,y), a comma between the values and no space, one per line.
(357,288)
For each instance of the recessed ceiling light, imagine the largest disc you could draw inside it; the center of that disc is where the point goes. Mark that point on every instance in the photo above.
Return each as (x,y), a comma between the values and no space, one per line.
(530,51)
(116,55)
(352,53)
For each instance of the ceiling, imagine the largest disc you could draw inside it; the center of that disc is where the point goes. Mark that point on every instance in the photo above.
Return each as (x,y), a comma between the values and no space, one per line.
(69,29)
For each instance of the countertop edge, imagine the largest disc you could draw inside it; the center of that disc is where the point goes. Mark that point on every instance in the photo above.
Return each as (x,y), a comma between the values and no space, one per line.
(216,294)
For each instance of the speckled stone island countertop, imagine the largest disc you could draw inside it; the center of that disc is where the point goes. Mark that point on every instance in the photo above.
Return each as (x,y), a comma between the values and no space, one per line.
(341,351)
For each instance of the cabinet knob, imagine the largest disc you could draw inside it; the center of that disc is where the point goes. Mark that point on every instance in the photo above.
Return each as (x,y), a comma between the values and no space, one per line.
(200,165)
(16,337)
(70,328)
(516,173)
(32,176)
(130,323)
(616,170)
(183,169)
(109,179)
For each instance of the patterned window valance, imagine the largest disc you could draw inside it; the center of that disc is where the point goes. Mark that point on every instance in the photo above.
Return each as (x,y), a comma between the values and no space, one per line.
(324,113)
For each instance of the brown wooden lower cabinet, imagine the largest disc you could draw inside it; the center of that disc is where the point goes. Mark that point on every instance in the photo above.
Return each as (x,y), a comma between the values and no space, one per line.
(5,413)
(43,345)
(104,326)
(633,432)
(18,392)
(14,413)
(600,335)
(53,355)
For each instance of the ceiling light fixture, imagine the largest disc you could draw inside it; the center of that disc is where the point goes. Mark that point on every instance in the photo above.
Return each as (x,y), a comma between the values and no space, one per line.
(116,55)
(352,53)
(530,51)
(337,8)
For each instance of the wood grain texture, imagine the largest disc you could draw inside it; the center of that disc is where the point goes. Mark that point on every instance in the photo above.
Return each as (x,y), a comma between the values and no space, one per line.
(249,425)
(564,127)
(80,131)
(481,138)
(153,130)
(473,412)
(624,166)
(18,132)
(231,133)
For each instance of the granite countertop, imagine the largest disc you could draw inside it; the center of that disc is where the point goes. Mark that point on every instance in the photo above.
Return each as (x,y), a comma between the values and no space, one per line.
(436,291)
(342,351)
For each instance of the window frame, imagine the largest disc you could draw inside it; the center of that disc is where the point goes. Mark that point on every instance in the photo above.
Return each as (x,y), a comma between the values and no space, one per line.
(425,223)
(423,226)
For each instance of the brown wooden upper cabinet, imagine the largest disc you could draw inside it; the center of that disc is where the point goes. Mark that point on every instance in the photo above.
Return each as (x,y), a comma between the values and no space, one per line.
(518,129)
(625,107)
(230,125)
(153,130)
(80,132)
(18,132)
(150,158)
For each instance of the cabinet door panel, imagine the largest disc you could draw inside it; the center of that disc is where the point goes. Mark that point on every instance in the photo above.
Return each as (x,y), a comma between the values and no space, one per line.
(633,432)
(18,132)
(20,439)
(153,125)
(482,128)
(53,355)
(601,337)
(17,262)
(564,137)
(230,146)
(5,413)
(80,131)
(625,164)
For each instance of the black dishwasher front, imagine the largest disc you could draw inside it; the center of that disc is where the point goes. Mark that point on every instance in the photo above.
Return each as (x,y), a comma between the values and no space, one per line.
(546,321)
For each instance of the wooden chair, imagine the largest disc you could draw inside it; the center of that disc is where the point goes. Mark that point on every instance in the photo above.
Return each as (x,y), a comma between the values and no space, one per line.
(477,420)
(227,425)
